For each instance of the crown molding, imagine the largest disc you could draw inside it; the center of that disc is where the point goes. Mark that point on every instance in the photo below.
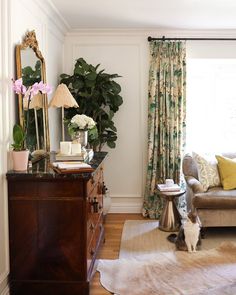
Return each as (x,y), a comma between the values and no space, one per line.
(54,15)
(152,32)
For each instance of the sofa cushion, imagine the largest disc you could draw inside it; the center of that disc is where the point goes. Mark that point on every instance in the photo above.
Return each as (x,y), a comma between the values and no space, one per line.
(215,198)
(208,174)
(227,168)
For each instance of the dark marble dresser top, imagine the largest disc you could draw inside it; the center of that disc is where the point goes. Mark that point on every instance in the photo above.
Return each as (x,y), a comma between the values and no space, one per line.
(42,169)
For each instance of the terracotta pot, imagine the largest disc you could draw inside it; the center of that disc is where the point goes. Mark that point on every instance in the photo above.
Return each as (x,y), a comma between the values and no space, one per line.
(20,160)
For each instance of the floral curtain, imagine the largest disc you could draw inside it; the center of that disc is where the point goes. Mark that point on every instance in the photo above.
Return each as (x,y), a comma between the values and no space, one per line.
(166,119)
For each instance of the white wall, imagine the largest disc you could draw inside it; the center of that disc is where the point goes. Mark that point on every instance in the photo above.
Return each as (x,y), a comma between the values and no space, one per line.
(127,56)
(18,16)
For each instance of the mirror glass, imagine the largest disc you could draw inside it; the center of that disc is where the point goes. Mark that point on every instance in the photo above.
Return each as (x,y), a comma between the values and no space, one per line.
(30,66)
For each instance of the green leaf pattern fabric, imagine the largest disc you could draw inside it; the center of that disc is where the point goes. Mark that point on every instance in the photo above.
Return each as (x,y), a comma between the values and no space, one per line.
(166,119)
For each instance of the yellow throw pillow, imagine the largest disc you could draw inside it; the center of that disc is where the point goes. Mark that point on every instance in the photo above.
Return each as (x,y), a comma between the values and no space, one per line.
(227,169)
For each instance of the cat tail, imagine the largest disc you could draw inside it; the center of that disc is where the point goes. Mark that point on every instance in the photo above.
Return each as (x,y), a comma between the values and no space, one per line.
(172,238)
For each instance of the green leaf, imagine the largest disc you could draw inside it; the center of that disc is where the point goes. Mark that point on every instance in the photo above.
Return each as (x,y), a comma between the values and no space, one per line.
(111,144)
(115,87)
(118,100)
(18,137)
(90,83)
(111,114)
(64,76)
(79,71)
(78,84)
(91,76)
(93,133)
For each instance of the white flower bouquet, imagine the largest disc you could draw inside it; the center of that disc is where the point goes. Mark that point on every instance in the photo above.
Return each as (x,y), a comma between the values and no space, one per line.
(83,123)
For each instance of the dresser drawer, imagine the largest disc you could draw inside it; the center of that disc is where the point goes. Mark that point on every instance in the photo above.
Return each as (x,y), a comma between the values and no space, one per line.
(93,221)
(93,182)
(93,244)
(91,227)
(22,189)
(60,189)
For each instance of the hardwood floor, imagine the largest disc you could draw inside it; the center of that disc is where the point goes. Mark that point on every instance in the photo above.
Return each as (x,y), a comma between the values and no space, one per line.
(110,249)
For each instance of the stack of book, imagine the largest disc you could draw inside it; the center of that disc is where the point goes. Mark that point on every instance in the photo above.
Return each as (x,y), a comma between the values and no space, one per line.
(83,157)
(168,188)
(71,167)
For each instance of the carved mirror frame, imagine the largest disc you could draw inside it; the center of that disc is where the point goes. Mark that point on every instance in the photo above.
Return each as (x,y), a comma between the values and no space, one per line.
(30,41)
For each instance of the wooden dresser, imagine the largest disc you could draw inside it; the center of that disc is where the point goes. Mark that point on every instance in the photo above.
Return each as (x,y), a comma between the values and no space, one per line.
(55,229)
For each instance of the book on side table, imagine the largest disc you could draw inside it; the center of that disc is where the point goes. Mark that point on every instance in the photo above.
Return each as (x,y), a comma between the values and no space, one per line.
(168,188)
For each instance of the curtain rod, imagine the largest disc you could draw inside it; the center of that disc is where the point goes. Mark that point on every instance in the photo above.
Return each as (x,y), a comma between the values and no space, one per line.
(163,38)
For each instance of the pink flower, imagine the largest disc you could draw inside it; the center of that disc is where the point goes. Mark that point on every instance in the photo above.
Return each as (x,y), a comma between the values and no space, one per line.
(36,88)
(46,89)
(18,87)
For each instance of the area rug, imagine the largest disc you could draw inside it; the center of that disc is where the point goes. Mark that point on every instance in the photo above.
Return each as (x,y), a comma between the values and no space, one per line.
(144,237)
(146,267)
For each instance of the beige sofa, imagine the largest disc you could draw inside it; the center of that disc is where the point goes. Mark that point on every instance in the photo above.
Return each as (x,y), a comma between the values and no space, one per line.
(215,207)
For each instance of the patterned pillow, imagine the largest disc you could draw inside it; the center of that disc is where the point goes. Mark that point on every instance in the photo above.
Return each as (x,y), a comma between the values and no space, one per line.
(208,173)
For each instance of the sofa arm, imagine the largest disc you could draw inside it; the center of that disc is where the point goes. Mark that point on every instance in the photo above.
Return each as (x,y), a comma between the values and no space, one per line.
(194,184)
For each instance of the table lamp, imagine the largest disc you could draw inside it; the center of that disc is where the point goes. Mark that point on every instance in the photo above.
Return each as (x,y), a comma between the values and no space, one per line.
(64,99)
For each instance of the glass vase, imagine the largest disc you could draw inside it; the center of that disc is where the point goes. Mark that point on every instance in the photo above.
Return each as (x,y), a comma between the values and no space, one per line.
(81,136)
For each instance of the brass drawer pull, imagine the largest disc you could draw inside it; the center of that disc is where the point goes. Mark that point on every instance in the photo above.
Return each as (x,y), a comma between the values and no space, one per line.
(92,252)
(92,226)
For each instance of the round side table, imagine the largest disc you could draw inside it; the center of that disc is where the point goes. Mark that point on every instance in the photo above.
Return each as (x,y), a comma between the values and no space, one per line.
(170,219)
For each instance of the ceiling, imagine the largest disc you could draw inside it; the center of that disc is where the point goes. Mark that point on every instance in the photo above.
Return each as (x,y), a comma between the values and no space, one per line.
(146,14)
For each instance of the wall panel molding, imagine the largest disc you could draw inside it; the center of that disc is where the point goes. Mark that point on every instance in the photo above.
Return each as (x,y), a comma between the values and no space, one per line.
(126,205)
(129,57)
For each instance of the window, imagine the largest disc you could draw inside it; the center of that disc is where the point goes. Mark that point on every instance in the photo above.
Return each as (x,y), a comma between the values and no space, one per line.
(211,105)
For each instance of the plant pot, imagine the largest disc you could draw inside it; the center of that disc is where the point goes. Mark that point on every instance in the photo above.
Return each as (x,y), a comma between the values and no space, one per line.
(20,160)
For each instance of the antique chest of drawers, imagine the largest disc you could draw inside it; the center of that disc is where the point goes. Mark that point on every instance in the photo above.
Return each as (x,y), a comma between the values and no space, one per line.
(55,229)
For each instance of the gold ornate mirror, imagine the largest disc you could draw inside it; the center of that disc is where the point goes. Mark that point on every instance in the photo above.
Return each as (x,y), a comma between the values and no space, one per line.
(30,66)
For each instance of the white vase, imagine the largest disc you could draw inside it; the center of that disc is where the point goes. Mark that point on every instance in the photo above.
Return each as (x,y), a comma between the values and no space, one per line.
(20,160)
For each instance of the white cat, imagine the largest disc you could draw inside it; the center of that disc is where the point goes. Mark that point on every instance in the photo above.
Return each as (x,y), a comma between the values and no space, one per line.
(191,232)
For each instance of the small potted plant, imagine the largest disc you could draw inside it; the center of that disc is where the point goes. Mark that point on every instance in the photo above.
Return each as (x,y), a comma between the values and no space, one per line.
(20,153)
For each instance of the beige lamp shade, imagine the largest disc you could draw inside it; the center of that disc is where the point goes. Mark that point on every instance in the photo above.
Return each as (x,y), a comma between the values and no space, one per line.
(35,103)
(63,98)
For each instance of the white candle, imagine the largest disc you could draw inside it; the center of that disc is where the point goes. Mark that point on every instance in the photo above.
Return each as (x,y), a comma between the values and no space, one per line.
(75,148)
(65,147)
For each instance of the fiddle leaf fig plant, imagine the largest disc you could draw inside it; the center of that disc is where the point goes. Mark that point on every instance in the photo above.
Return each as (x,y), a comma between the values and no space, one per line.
(98,97)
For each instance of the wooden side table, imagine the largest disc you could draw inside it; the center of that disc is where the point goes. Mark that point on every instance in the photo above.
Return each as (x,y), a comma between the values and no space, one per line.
(170,219)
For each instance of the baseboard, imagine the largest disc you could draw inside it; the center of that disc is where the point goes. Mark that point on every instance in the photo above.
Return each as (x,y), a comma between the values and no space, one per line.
(126,205)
